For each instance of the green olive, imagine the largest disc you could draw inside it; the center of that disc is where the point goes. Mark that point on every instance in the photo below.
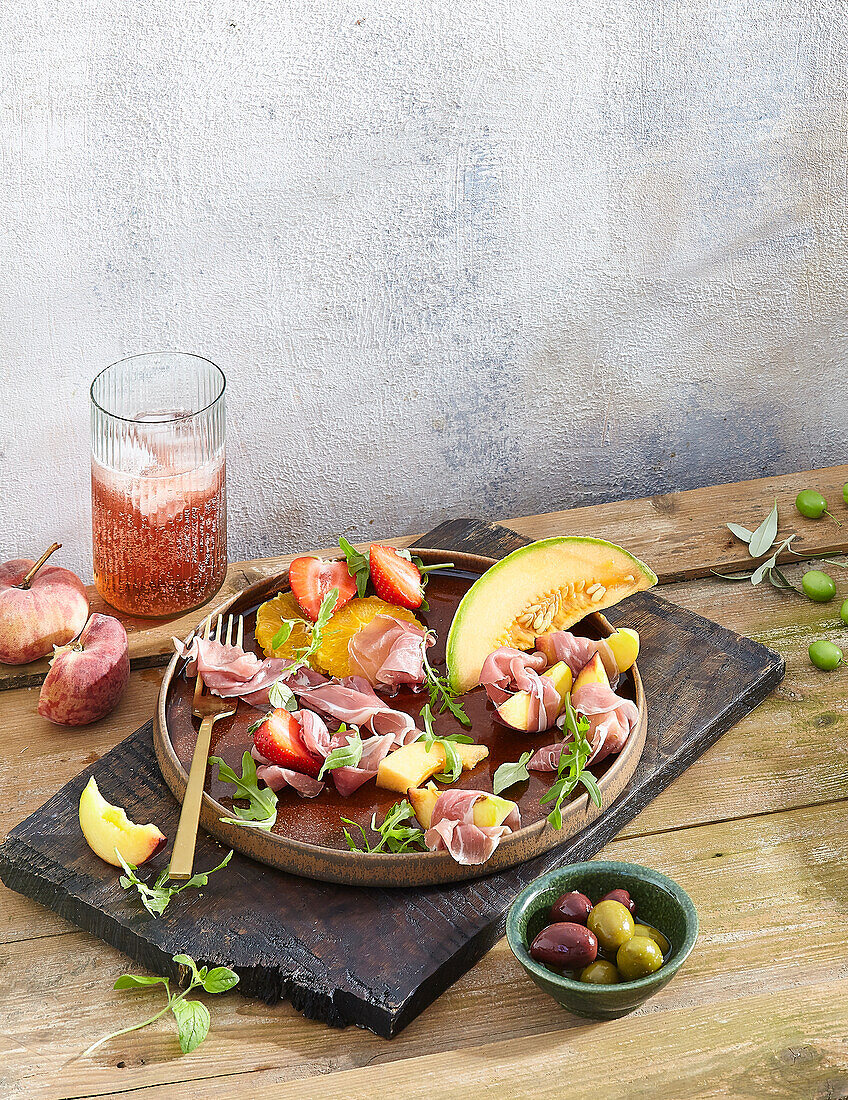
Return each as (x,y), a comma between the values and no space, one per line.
(845,492)
(638,957)
(612,924)
(843,612)
(600,972)
(825,655)
(655,935)
(818,586)
(811,503)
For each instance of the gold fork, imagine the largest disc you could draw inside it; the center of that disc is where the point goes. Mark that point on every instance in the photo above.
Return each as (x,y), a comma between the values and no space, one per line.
(208,708)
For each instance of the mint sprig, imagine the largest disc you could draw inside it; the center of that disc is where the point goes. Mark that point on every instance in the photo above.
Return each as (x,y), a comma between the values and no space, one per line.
(262,811)
(192,1017)
(157,897)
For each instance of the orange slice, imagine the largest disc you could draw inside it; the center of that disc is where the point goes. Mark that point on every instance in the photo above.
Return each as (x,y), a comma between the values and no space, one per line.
(332,656)
(269,619)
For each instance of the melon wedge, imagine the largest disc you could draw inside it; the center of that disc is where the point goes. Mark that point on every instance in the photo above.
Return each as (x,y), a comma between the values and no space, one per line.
(488,812)
(548,585)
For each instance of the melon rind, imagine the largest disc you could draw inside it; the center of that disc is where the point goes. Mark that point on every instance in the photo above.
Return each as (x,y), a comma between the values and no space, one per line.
(493,604)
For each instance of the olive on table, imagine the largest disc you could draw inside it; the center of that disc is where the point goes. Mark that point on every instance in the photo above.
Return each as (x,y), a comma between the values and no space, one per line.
(565,946)
(811,503)
(818,586)
(623,896)
(655,935)
(600,972)
(843,612)
(825,655)
(612,923)
(572,906)
(845,492)
(638,957)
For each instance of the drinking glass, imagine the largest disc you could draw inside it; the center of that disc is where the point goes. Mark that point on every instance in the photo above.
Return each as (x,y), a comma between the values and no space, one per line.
(158,496)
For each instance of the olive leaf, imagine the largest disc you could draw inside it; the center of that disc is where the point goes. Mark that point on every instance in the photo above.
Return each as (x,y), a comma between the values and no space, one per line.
(763,538)
(740,532)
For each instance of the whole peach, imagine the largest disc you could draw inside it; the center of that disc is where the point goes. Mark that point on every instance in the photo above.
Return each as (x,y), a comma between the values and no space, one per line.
(88,677)
(39,608)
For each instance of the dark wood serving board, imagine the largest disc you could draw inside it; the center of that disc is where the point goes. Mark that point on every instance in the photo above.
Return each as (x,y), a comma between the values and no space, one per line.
(368,956)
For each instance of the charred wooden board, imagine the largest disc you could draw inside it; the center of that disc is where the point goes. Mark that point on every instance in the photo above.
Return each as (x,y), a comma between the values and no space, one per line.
(374,957)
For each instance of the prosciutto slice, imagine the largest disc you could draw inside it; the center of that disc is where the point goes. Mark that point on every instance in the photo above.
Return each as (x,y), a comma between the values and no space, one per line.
(508,670)
(611,719)
(355,702)
(389,652)
(229,671)
(452,828)
(576,651)
(374,749)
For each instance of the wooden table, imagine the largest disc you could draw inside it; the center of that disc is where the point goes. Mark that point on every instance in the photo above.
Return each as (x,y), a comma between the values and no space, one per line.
(755,831)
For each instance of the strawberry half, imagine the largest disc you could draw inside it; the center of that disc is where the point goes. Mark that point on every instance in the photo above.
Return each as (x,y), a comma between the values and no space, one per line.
(396,579)
(280,740)
(312,578)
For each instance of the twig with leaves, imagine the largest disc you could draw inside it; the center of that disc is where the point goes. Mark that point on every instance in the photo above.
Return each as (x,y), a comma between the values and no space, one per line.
(157,898)
(759,542)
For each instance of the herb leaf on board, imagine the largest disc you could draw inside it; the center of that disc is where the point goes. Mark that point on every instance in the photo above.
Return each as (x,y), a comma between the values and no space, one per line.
(157,898)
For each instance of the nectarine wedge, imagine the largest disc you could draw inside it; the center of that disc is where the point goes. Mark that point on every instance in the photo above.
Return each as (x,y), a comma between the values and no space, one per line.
(108,830)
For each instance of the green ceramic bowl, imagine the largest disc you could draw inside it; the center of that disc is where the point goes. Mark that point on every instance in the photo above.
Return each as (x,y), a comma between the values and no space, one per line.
(659,902)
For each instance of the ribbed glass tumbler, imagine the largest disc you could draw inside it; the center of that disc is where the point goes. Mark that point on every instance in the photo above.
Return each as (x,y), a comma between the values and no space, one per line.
(158,483)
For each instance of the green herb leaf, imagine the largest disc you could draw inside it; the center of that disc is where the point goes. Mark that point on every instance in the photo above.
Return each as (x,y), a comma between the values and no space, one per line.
(764,535)
(157,897)
(345,756)
(740,532)
(262,811)
(440,691)
(508,775)
(281,696)
(358,566)
(219,979)
(135,981)
(325,613)
(394,835)
(283,634)
(453,761)
(572,764)
(192,1023)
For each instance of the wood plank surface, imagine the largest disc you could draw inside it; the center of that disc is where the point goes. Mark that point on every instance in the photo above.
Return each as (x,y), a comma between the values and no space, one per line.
(749,1016)
(680,535)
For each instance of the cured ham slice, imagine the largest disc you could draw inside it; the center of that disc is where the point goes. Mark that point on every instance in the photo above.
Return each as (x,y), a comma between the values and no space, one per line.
(277,778)
(389,652)
(452,828)
(374,749)
(229,671)
(577,651)
(508,670)
(354,702)
(611,719)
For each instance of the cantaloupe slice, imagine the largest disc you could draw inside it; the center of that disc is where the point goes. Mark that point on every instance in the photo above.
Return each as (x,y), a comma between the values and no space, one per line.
(488,812)
(412,764)
(548,585)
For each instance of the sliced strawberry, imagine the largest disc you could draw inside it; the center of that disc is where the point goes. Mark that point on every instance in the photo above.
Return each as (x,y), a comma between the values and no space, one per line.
(396,579)
(280,740)
(312,578)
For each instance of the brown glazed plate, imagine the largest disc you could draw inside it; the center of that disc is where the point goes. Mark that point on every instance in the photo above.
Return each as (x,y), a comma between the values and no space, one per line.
(307,838)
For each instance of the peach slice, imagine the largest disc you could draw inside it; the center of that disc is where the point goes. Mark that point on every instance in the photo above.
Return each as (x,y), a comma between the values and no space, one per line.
(592,673)
(108,830)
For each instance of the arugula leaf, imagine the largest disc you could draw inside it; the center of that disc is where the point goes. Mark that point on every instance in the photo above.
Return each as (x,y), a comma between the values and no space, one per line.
(325,613)
(508,775)
(572,764)
(425,571)
(393,834)
(765,534)
(440,691)
(156,898)
(358,566)
(283,634)
(262,811)
(453,761)
(345,756)
(192,1017)
(281,696)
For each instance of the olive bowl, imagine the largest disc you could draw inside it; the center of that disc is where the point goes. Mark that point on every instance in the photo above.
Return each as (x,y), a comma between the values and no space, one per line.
(659,902)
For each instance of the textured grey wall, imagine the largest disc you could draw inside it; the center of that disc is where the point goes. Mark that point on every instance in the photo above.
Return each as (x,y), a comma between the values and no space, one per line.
(455,257)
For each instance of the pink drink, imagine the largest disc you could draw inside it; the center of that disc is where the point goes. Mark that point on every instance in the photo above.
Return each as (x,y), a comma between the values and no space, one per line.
(158,504)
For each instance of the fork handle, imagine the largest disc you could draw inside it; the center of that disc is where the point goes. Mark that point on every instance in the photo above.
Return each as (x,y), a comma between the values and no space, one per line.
(182,857)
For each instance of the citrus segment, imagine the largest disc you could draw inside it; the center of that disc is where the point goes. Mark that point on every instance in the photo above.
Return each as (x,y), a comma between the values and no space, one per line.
(269,619)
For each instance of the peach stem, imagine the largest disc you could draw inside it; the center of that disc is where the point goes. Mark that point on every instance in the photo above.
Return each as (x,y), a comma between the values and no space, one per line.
(27,581)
